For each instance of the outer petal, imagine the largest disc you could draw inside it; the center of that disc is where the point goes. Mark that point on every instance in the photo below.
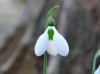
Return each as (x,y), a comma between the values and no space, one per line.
(97,71)
(60,43)
(52,50)
(41,44)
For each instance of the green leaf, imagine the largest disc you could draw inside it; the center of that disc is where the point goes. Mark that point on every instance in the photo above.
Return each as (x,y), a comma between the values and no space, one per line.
(52,11)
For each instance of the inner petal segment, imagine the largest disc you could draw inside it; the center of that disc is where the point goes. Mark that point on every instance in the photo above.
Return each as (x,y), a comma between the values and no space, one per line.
(52,50)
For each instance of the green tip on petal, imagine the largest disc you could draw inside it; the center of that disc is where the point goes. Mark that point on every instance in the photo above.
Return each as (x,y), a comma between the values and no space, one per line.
(50,34)
(52,11)
(50,21)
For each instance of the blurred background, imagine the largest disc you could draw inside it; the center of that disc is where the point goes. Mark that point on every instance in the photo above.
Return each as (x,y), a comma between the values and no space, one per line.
(22,22)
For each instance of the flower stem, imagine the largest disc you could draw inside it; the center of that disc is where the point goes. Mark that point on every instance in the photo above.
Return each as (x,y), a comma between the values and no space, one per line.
(51,12)
(45,63)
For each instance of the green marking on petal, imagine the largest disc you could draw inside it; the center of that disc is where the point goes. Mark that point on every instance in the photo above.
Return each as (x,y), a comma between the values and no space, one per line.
(50,34)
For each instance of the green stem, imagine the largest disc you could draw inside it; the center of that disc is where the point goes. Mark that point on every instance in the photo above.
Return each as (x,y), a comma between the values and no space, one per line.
(45,63)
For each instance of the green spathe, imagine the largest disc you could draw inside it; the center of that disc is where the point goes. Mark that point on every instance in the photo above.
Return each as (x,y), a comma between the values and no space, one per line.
(52,11)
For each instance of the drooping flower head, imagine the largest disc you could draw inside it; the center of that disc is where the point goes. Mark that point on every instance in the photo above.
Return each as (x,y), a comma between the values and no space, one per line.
(51,41)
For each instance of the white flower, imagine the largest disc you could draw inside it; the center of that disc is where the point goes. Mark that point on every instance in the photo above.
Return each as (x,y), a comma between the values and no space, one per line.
(97,71)
(52,42)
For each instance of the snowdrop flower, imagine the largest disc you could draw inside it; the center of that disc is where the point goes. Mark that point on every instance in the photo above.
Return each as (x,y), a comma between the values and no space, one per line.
(97,71)
(52,42)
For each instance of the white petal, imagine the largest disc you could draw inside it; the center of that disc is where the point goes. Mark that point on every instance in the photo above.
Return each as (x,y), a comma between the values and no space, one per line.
(97,71)
(60,43)
(52,50)
(41,44)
